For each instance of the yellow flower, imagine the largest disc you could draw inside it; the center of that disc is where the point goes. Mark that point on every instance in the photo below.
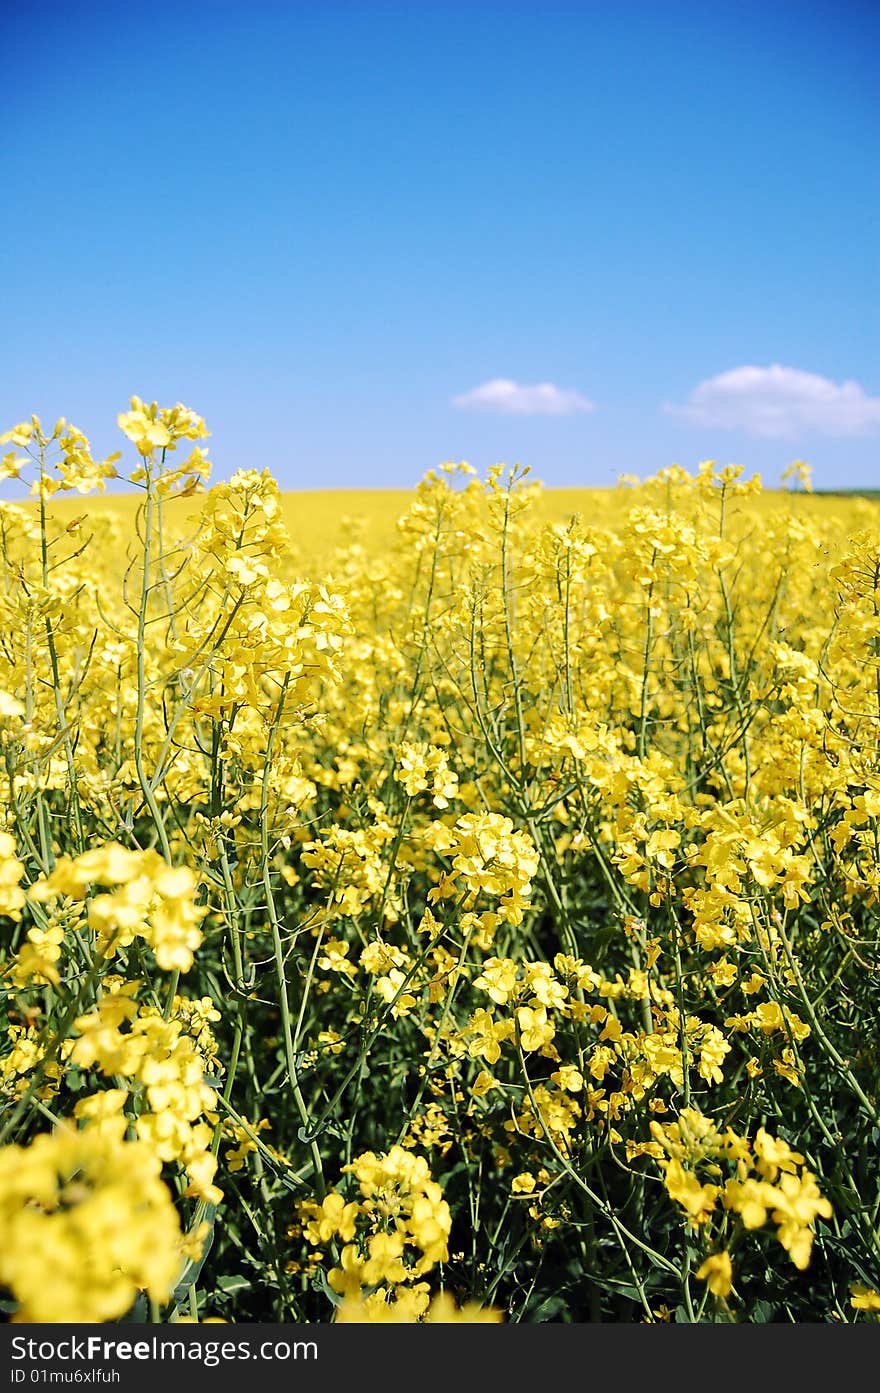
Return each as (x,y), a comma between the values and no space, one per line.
(12,898)
(142,426)
(444,1310)
(697,1200)
(864,1298)
(152,900)
(333,1217)
(717,1272)
(523,1184)
(750,1199)
(85,1224)
(800,471)
(499,979)
(535,1030)
(797,1204)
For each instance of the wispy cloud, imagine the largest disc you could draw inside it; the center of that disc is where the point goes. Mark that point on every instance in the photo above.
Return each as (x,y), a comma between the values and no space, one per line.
(514,399)
(780,402)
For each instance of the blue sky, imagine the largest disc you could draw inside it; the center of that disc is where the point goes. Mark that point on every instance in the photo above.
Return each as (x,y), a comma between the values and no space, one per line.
(365,238)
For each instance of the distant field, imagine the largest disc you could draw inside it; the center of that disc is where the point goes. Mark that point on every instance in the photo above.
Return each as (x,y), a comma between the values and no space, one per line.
(320,521)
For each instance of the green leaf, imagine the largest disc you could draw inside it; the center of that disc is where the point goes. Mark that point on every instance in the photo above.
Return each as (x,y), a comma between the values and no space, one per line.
(320,1281)
(191,1272)
(549,1309)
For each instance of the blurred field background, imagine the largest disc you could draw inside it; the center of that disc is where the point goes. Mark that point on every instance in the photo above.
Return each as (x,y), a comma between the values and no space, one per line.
(323,521)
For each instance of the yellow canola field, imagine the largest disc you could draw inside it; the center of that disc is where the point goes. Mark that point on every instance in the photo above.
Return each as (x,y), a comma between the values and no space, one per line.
(453,906)
(320,522)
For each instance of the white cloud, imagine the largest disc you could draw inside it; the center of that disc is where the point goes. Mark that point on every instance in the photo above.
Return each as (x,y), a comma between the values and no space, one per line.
(514,399)
(780,402)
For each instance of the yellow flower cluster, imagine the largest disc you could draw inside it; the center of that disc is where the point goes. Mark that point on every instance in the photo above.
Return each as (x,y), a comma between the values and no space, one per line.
(11,871)
(152,428)
(769,1181)
(123,1040)
(393,1234)
(86,1223)
(489,857)
(407,1307)
(422,767)
(150,900)
(77,471)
